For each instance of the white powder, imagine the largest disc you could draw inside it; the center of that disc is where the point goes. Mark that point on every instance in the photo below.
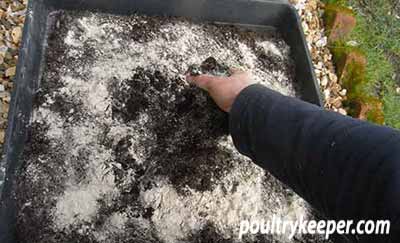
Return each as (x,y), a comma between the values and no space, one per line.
(114,225)
(94,94)
(137,131)
(79,203)
(248,56)
(55,130)
(271,49)
(187,43)
(177,216)
(91,29)
(70,40)
(118,221)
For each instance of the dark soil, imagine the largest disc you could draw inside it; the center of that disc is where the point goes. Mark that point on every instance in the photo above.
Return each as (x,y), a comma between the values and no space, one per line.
(175,150)
(147,91)
(209,66)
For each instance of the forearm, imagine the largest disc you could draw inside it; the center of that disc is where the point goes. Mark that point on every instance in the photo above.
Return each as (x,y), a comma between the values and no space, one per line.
(345,168)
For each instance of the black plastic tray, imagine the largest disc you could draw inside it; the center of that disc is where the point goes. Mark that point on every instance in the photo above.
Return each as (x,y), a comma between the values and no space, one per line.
(281,16)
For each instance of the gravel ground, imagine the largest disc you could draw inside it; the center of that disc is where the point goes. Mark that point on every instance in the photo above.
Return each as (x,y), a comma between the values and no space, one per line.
(311,12)
(12,15)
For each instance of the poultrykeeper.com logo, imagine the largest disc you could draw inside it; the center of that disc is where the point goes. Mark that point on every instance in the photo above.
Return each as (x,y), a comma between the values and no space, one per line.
(276,226)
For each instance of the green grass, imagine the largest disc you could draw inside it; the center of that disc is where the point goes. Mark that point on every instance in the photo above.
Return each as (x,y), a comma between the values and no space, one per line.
(378,36)
(391,108)
(379,69)
(338,2)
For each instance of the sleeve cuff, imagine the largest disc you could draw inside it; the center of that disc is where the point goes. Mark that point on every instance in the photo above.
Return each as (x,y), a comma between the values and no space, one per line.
(238,118)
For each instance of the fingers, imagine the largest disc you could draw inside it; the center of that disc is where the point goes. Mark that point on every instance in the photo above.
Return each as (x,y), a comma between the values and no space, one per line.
(235,71)
(222,89)
(205,81)
(208,82)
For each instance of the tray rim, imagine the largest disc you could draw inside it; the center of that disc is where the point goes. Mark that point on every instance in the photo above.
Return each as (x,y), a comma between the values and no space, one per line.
(8,163)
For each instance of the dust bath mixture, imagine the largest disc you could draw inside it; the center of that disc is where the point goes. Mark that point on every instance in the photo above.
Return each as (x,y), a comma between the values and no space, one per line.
(123,149)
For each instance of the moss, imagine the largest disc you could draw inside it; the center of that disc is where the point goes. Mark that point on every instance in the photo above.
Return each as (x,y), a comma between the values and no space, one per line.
(338,8)
(330,13)
(375,113)
(376,40)
(329,18)
(337,2)
(376,35)
(366,107)
(339,50)
(352,75)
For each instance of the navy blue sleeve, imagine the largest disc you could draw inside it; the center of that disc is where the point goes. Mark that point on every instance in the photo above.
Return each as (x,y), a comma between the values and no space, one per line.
(345,168)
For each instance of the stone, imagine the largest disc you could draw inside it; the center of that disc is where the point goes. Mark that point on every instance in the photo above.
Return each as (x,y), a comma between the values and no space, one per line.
(2,135)
(327,93)
(332,76)
(7,99)
(351,68)
(5,107)
(324,81)
(10,72)
(337,102)
(16,34)
(368,108)
(343,92)
(2,13)
(311,13)
(4,94)
(3,50)
(12,17)
(336,87)
(322,42)
(340,21)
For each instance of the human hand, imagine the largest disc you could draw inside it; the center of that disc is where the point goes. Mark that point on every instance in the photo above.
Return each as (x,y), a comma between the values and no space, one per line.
(223,90)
